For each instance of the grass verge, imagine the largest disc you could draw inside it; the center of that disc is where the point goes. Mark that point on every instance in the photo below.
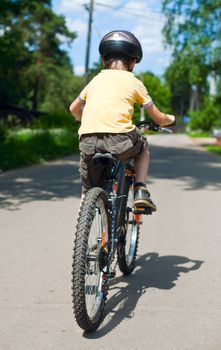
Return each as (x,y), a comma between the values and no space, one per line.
(214,149)
(199,133)
(30,146)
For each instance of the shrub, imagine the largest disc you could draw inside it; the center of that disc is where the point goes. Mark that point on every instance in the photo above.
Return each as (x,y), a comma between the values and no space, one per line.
(207,118)
(55,119)
(27,147)
(3,132)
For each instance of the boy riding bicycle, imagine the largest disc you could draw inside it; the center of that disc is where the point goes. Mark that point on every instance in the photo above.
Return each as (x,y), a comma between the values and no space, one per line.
(105,108)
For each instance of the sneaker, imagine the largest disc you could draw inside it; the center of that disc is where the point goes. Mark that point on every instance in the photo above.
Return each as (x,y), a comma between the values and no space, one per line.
(142,198)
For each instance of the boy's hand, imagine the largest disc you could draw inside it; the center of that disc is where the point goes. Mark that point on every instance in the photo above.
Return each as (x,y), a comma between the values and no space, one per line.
(160,118)
(172,119)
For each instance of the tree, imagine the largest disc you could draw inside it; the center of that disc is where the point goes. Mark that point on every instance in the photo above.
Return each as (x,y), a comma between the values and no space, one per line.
(193,30)
(158,90)
(183,76)
(31,54)
(194,27)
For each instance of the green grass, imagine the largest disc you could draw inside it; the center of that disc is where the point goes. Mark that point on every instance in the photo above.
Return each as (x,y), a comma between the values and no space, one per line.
(211,148)
(199,133)
(214,149)
(30,146)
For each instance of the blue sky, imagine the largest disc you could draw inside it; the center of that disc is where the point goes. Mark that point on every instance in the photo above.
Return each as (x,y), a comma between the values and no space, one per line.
(143,18)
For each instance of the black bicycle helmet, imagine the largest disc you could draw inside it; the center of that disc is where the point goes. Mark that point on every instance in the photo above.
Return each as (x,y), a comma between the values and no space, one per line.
(121,41)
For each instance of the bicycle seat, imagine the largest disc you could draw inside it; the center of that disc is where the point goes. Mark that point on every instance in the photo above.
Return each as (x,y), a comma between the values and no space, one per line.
(104,156)
(100,169)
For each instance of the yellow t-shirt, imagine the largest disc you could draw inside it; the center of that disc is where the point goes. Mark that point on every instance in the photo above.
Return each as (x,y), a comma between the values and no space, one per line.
(110,99)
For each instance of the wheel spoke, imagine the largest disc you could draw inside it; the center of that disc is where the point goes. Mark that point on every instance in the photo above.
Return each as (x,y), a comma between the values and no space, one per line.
(93,280)
(88,298)
(128,248)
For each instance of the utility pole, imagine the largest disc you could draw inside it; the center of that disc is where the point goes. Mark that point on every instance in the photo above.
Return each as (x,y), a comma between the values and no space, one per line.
(90,9)
(142,114)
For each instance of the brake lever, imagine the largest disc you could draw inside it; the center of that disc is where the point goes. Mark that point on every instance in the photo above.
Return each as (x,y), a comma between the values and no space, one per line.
(166,130)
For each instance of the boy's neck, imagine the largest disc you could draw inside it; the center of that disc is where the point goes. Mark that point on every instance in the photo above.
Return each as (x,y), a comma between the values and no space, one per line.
(118,65)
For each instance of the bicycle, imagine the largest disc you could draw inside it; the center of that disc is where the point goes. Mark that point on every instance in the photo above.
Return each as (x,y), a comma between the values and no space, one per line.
(107,235)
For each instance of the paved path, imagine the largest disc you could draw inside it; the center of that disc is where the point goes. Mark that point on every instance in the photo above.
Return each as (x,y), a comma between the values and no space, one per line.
(172,301)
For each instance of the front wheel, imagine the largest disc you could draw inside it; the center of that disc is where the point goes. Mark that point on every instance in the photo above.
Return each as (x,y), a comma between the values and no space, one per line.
(90,260)
(128,240)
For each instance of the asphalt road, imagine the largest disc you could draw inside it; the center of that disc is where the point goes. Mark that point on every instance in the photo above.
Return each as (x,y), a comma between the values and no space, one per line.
(172,301)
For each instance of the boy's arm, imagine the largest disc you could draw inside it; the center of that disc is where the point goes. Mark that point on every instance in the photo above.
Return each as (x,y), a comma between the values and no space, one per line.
(158,117)
(143,98)
(76,108)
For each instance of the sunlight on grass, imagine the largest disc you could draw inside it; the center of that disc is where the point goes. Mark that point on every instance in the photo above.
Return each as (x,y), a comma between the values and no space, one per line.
(29,146)
(214,149)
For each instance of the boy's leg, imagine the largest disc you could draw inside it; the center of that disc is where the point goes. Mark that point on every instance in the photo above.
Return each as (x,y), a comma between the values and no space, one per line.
(135,147)
(141,195)
(141,163)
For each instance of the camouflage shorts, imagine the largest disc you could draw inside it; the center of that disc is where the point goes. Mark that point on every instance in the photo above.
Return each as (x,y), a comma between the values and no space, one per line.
(124,146)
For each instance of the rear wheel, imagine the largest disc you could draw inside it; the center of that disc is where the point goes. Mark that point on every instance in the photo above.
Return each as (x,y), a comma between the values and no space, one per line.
(90,260)
(128,242)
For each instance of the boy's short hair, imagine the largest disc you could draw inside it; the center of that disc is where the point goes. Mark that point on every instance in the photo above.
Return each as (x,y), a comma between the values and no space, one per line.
(117,56)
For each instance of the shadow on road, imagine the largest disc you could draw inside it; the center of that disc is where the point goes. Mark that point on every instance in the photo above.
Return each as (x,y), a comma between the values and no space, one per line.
(51,181)
(57,180)
(196,168)
(152,271)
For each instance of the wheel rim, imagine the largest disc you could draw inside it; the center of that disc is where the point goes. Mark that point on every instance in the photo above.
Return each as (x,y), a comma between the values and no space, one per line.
(94,276)
(131,242)
(132,231)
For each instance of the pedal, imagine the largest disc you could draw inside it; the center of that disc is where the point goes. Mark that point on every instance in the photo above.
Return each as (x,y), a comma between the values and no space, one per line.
(112,274)
(143,211)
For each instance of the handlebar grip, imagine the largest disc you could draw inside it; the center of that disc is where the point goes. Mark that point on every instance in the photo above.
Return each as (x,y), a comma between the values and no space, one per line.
(173,124)
(151,124)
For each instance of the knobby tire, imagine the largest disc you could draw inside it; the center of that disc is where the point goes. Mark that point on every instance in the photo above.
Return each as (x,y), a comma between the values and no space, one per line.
(128,243)
(84,225)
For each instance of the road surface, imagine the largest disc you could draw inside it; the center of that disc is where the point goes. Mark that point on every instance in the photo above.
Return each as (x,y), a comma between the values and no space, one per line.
(172,301)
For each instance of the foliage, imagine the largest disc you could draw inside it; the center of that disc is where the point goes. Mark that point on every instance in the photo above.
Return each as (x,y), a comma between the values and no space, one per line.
(62,89)
(185,74)
(55,119)
(207,118)
(193,30)
(199,133)
(3,132)
(29,146)
(214,149)
(192,27)
(34,71)
(158,90)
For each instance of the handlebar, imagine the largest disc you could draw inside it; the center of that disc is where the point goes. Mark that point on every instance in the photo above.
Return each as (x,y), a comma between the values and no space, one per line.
(153,126)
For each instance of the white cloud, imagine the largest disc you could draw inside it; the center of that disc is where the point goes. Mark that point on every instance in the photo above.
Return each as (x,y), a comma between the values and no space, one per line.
(139,9)
(107,3)
(136,6)
(150,36)
(141,17)
(77,25)
(79,70)
(146,24)
(67,6)
(164,60)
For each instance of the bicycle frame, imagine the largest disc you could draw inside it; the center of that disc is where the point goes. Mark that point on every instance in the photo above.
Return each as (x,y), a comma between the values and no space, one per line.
(110,201)
(117,198)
